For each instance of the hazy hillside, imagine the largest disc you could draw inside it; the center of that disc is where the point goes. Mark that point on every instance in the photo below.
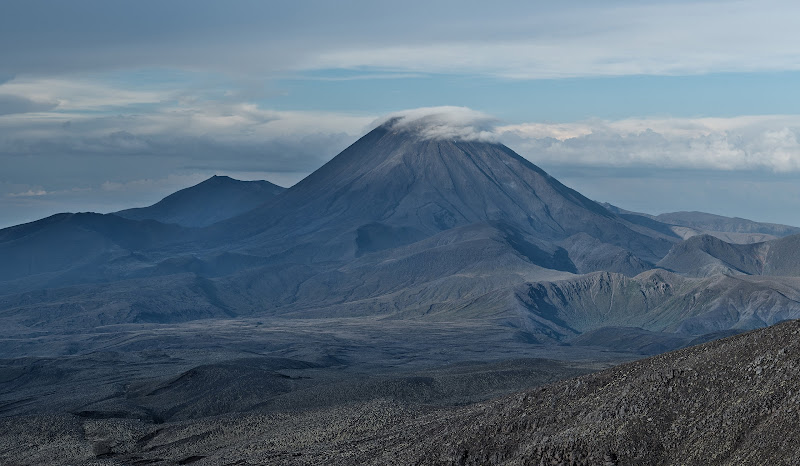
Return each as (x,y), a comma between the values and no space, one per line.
(77,248)
(705,255)
(711,222)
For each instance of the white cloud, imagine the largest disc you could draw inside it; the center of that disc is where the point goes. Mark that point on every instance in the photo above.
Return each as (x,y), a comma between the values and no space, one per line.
(443,123)
(80,100)
(519,39)
(740,143)
(80,94)
(598,39)
(116,121)
(29,193)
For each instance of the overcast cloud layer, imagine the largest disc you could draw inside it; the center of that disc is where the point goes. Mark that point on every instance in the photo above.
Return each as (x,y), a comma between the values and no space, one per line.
(108,105)
(741,143)
(509,38)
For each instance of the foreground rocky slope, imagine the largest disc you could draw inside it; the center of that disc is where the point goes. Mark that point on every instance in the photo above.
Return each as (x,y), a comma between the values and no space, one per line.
(731,401)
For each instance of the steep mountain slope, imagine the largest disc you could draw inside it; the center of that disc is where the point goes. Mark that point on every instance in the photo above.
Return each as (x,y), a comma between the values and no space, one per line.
(589,254)
(706,255)
(217,198)
(395,186)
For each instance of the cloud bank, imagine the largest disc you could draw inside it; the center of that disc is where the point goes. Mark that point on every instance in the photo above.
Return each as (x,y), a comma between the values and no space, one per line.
(103,148)
(765,142)
(125,151)
(770,143)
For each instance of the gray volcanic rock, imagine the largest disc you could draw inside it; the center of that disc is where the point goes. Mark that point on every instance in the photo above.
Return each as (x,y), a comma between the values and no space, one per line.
(657,301)
(731,401)
(217,198)
(330,310)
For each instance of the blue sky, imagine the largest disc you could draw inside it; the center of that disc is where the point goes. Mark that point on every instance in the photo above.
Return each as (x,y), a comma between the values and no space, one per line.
(556,100)
(651,105)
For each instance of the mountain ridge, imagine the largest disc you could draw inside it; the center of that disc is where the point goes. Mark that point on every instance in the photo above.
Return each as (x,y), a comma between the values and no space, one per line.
(215,199)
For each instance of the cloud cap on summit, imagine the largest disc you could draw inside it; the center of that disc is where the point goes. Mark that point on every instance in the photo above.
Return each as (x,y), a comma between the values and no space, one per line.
(445,122)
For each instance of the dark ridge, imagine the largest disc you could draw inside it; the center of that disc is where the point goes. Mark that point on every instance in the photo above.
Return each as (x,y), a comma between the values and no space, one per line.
(215,199)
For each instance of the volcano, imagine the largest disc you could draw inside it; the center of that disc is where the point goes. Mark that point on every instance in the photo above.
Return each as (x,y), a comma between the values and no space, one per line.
(413,220)
(398,185)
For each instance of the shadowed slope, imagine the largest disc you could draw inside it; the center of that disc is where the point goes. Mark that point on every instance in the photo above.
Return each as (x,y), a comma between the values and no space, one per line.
(75,248)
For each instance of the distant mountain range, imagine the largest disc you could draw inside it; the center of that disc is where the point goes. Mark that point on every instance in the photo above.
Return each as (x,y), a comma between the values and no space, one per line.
(688,224)
(406,226)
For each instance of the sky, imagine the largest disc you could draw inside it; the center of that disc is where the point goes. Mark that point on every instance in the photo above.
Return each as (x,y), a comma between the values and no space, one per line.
(654,106)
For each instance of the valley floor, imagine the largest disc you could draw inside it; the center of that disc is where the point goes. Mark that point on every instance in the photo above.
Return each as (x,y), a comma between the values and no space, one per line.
(265,391)
(347,391)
